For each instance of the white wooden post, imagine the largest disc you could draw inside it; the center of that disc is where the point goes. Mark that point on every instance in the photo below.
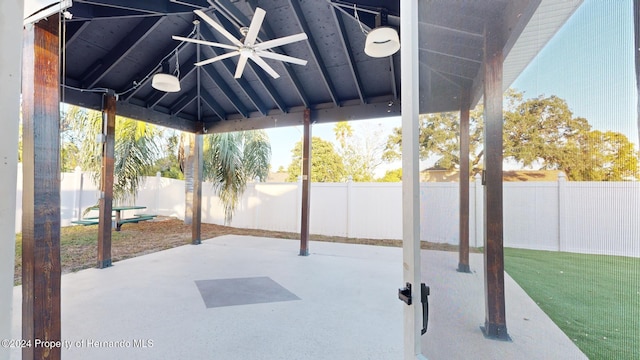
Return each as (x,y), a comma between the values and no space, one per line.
(77,194)
(156,194)
(349,205)
(410,177)
(10,80)
(562,182)
(299,203)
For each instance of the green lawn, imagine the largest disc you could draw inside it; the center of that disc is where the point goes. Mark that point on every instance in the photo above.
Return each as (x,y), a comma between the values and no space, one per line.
(594,299)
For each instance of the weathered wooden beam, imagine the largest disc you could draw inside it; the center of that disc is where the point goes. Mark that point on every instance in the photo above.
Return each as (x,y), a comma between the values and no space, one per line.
(495,326)
(10,104)
(376,108)
(189,145)
(41,189)
(463,249)
(105,202)
(306,182)
(196,160)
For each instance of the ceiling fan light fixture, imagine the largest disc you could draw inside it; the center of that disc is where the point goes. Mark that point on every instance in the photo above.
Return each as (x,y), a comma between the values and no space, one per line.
(382,42)
(165,82)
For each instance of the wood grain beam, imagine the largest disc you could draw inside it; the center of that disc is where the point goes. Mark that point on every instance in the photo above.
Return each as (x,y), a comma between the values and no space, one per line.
(463,249)
(306,182)
(105,202)
(495,326)
(196,212)
(41,189)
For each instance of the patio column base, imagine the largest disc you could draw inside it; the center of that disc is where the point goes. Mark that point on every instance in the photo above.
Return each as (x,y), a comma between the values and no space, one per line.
(464,268)
(104,264)
(304,252)
(495,332)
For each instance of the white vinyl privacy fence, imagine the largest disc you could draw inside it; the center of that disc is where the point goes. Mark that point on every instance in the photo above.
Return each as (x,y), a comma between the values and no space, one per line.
(584,217)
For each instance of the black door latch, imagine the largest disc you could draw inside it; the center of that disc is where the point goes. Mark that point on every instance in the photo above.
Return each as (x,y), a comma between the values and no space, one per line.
(424,299)
(404,294)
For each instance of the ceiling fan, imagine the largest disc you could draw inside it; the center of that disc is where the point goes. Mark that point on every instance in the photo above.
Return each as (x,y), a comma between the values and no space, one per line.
(249,49)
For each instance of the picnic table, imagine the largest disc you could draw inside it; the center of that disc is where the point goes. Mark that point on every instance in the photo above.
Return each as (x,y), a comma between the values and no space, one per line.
(118,220)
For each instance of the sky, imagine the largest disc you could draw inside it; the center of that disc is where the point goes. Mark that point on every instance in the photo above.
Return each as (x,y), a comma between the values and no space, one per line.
(589,63)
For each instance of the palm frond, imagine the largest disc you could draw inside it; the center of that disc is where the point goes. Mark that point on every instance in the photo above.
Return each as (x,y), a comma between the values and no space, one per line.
(230,160)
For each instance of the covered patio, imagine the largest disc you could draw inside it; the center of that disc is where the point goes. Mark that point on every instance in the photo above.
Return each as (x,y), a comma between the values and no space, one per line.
(102,54)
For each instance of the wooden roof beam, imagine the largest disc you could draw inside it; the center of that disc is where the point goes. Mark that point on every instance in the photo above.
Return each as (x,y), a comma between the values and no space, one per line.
(315,52)
(124,47)
(266,33)
(346,45)
(230,66)
(152,66)
(226,90)
(213,105)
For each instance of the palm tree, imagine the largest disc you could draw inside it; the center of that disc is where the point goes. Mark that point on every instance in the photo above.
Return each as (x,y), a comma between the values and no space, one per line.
(230,160)
(135,150)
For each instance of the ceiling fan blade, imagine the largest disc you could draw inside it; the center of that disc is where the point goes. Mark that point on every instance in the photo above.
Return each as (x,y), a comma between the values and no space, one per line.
(275,56)
(218,27)
(281,41)
(254,28)
(241,64)
(204,42)
(217,58)
(258,60)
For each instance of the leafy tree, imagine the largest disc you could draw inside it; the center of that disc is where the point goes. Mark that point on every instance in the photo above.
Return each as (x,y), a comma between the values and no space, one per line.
(326,164)
(362,154)
(392,176)
(168,164)
(439,139)
(540,132)
(69,138)
(610,156)
(544,131)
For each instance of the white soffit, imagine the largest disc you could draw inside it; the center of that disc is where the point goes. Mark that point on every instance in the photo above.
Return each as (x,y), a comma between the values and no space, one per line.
(544,24)
(35,10)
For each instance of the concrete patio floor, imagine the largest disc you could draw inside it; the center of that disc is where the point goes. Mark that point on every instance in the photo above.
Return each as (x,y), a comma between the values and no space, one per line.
(338,303)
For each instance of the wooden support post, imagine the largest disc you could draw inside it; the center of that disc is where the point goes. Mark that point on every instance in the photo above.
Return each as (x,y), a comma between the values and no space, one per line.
(306,182)
(196,212)
(189,148)
(41,189)
(463,249)
(495,326)
(10,74)
(411,265)
(105,203)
